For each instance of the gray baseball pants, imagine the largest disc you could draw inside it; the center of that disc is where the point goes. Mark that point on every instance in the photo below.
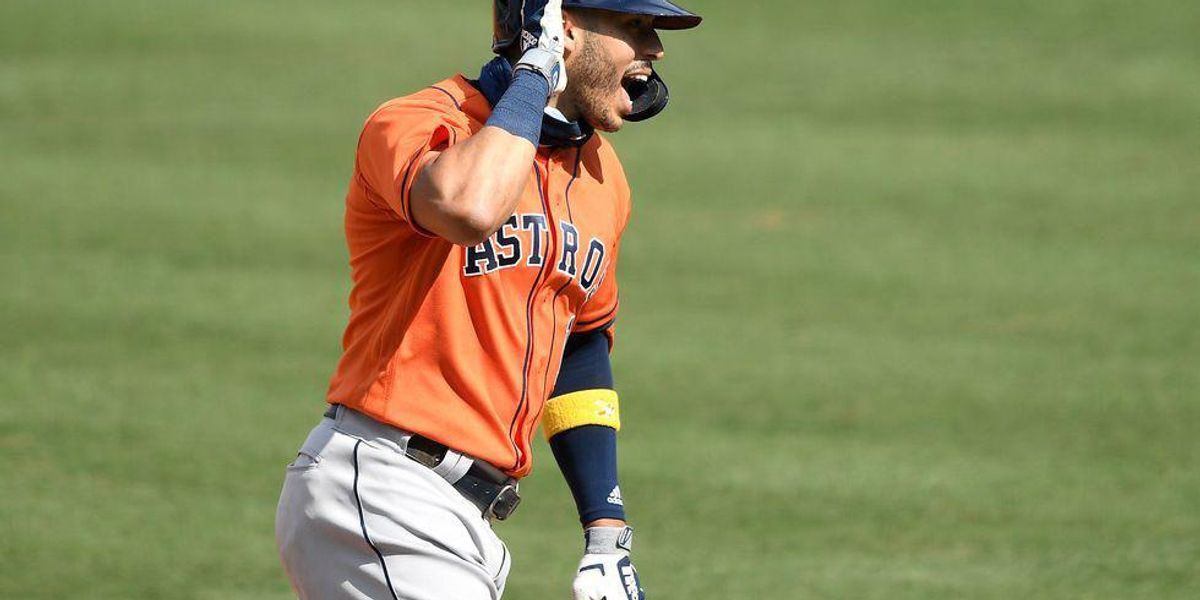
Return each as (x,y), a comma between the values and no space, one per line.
(358,519)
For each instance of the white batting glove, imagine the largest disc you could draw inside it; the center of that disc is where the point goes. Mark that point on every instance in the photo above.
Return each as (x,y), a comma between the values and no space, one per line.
(606,573)
(542,42)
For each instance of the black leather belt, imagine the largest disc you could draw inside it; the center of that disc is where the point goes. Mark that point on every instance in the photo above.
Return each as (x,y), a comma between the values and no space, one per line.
(488,487)
(483,484)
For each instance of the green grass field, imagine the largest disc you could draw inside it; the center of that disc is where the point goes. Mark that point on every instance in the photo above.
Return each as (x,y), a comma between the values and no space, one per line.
(911,296)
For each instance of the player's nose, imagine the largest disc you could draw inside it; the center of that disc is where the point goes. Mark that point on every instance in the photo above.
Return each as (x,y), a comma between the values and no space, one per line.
(652,48)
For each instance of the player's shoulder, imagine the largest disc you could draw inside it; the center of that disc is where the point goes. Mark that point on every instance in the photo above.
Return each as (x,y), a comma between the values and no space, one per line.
(604,150)
(601,157)
(607,185)
(450,100)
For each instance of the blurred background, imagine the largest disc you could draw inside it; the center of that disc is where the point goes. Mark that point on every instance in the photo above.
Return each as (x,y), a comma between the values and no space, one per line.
(910,298)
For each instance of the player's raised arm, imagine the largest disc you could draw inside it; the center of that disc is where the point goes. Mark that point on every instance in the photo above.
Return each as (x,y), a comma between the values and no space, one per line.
(466,192)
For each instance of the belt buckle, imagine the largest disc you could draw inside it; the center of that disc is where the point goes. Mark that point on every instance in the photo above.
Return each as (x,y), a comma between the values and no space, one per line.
(505,502)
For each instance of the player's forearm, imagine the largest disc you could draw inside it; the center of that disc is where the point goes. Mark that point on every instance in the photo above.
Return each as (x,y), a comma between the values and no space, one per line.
(465,193)
(587,457)
(581,420)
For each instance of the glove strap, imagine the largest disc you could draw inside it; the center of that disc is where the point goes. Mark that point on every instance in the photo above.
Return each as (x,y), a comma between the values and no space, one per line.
(544,62)
(608,540)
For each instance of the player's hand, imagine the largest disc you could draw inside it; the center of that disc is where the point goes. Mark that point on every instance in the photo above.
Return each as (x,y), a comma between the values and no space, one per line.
(542,42)
(606,573)
(607,577)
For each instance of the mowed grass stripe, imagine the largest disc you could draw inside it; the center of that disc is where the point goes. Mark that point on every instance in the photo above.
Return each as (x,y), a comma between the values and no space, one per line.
(908,296)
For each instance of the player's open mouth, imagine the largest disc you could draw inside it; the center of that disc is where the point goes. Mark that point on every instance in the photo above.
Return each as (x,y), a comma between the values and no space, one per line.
(632,86)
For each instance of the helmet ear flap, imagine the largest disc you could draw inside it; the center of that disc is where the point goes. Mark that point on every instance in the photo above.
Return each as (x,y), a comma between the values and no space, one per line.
(649,98)
(506,24)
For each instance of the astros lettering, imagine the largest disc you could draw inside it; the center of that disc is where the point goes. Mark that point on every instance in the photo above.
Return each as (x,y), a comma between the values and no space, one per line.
(523,239)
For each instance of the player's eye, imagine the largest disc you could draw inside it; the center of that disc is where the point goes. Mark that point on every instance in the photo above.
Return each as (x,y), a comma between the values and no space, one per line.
(641,24)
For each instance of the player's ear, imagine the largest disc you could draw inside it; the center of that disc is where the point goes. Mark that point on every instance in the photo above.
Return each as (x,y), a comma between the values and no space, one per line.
(572,35)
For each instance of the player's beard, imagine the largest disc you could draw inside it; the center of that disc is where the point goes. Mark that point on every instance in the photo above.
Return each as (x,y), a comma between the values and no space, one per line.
(594,86)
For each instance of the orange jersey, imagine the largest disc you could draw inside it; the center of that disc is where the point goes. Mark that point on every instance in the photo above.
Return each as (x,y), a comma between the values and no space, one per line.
(463,345)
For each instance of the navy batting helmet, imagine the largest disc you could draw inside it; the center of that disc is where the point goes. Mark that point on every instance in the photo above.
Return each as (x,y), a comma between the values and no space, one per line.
(667,15)
(649,97)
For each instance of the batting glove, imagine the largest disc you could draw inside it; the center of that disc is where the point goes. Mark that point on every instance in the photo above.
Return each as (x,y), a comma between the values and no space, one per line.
(606,573)
(542,42)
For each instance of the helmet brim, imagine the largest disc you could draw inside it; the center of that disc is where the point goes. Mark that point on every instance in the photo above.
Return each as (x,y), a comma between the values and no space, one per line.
(667,15)
(677,22)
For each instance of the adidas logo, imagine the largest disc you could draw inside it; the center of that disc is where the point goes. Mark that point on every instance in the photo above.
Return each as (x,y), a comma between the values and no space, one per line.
(614,497)
(528,40)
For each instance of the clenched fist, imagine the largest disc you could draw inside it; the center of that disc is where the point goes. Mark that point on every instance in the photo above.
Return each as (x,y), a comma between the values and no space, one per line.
(606,572)
(542,42)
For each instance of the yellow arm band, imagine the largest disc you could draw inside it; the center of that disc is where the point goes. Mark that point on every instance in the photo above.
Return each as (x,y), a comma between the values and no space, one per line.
(585,407)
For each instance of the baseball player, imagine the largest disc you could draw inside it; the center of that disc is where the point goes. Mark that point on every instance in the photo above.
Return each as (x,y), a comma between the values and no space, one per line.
(483,220)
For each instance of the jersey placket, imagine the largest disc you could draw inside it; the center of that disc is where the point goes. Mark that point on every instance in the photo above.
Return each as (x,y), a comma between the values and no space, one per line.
(557,345)
(543,172)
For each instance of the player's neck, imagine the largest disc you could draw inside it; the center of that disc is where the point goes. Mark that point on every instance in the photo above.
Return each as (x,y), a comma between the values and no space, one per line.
(567,109)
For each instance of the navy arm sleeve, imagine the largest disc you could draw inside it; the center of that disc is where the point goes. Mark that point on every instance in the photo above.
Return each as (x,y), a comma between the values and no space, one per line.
(585,364)
(587,455)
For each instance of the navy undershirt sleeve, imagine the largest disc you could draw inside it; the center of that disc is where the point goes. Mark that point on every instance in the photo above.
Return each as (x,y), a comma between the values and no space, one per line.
(585,364)
(587,455)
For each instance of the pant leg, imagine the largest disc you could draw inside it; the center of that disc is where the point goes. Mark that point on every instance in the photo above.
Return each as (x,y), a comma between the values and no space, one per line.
(358,520)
